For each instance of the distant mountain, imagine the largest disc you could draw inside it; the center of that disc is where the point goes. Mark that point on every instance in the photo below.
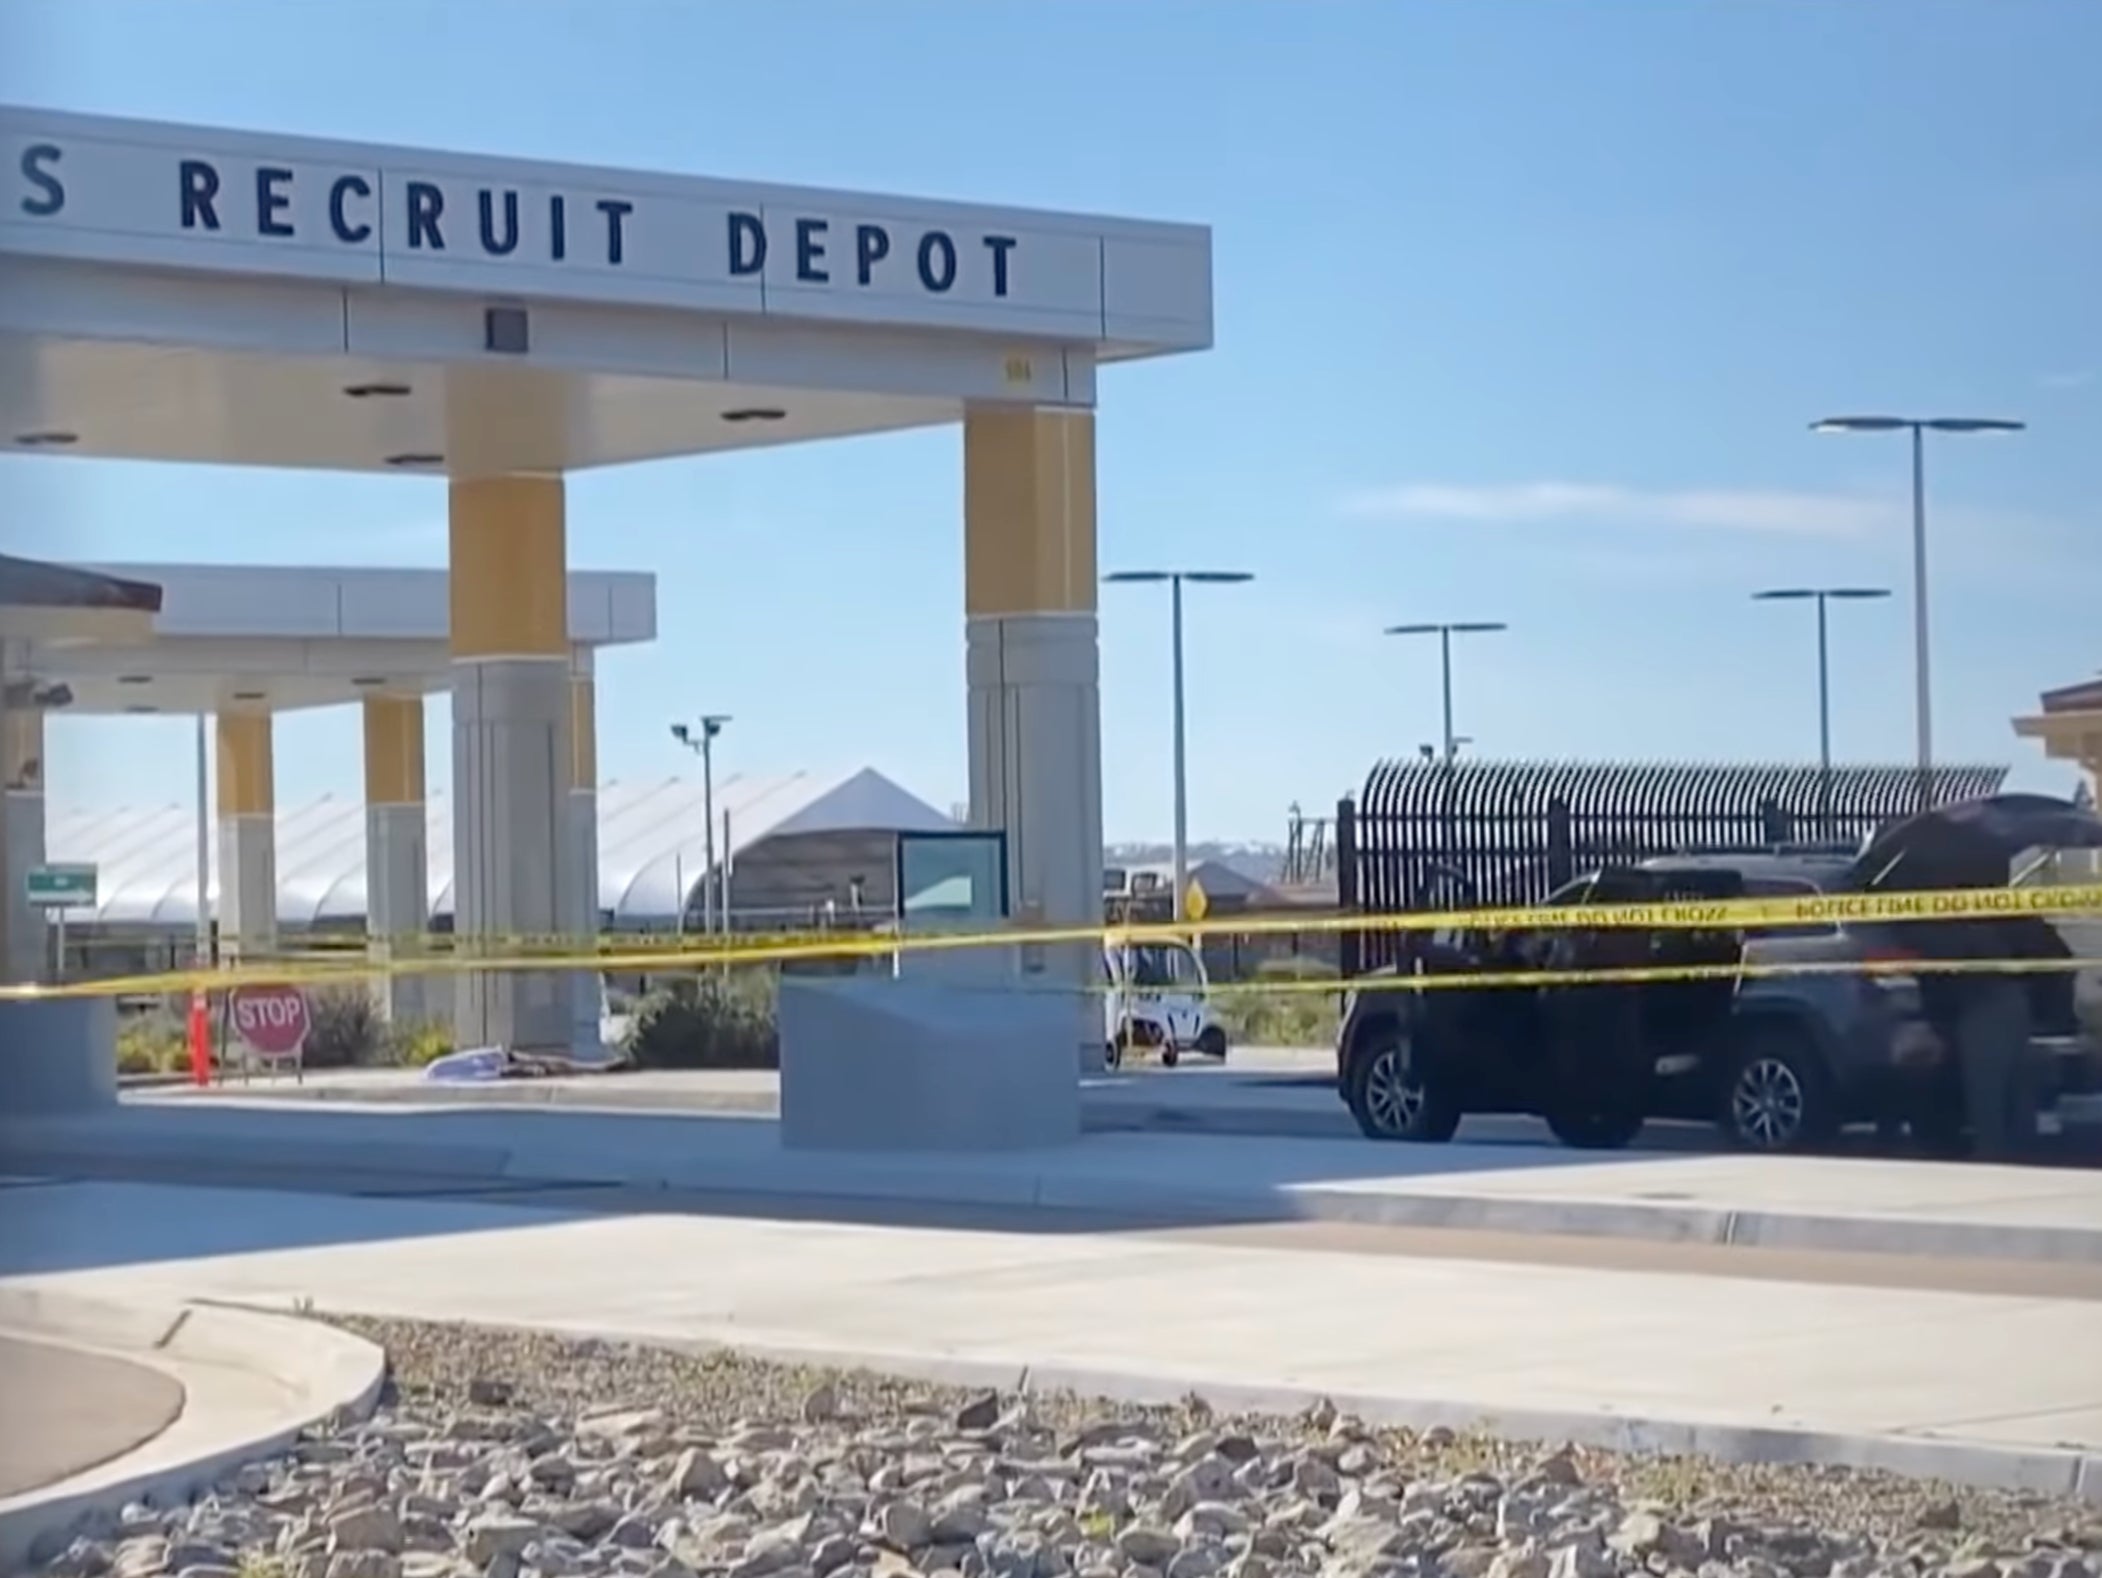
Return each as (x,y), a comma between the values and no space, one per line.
(1256,862)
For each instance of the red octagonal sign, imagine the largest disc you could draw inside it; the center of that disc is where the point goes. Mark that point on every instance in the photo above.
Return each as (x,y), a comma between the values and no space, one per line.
(270,1020)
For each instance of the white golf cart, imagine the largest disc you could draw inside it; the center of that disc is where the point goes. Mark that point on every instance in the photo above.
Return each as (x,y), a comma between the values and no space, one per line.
(1156,998)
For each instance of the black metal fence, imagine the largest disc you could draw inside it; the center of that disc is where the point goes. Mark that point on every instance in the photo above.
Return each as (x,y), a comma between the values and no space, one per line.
(1422,836)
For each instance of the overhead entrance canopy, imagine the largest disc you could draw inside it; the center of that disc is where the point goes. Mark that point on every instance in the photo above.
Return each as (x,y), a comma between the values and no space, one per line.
(229,637)
(198,294)
(280,301)
(64,608)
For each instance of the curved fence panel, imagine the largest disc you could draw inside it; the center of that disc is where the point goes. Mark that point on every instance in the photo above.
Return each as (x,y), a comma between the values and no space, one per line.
(1423,835)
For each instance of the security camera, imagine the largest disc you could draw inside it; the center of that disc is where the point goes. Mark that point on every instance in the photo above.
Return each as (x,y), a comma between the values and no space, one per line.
(682,734)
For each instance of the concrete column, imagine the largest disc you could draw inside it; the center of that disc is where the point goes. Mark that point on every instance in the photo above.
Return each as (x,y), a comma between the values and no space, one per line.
(1032,669)
(247,835)
(397,852)
(583,822)
(24,939)
(514,859)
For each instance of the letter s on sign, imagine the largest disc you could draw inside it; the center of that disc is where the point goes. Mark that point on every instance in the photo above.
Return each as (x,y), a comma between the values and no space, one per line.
(39,159)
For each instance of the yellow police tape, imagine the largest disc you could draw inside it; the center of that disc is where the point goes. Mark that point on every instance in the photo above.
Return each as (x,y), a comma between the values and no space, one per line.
(436,955)
(1679,915)
(229,977)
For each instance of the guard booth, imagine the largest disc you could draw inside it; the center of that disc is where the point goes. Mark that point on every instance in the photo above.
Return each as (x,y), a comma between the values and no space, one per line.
(1434,835)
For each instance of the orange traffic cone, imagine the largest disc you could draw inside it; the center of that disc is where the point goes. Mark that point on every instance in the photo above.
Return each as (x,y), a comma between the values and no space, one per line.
(200,1039)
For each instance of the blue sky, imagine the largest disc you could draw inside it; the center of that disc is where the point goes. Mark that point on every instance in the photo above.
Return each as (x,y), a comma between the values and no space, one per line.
(1522,308)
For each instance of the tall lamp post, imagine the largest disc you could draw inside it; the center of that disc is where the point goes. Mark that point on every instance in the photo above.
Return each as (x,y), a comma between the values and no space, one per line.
(1919,427)
(703,744)
(1449,743)
(1175,579)
(1822,595)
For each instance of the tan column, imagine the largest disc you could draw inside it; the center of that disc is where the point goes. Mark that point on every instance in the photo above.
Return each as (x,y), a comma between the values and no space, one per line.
(247,798)
(24,931)
(585,1034)
(397,847)
(514,859)
(1032,664)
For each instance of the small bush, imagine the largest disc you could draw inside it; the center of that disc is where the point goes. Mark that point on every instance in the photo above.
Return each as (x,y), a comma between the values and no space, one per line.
(418,1044)
(152,1043)
(345,1028)
(718,1019)
(1272,1010)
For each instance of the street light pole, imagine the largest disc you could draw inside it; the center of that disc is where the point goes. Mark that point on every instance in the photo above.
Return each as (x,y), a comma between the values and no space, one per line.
(1919,427)
(1175,579)
(703,745)
(1449,741)
(1822,595)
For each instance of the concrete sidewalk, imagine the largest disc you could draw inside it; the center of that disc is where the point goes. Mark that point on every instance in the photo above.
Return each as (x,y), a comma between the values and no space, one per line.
(1848,1204)
(1987,1388)
(1262,1091)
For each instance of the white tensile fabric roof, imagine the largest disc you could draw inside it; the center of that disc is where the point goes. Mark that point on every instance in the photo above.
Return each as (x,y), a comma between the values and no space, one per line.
(652,846)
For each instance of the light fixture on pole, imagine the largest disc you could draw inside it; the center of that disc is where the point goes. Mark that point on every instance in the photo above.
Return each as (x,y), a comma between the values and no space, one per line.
(1175,579)
(702,743)
(1449,742)
(1822,595)
(1919,427)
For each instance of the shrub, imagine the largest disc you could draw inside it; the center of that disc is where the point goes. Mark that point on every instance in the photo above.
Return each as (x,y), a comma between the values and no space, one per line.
(418,1043)
(156,1042)
(717,1019)
(1273,1010)
(345,1027)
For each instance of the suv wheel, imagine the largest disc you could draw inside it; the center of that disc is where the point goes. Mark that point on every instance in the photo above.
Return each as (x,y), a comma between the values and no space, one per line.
(1390,1098)
(1776,1095)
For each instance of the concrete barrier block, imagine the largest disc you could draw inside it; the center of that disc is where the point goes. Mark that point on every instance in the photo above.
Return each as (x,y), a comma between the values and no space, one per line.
(874,1064)
(57,1056)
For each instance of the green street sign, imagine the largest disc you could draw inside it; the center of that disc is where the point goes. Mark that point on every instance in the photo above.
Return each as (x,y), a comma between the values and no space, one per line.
(60,887)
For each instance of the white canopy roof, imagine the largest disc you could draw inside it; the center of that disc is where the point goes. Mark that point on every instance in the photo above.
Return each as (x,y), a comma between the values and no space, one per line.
(652,846)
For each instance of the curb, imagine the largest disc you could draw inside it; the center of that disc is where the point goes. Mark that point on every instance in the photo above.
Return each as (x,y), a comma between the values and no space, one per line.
(2064,1472)
(941,1181)
(321,1372)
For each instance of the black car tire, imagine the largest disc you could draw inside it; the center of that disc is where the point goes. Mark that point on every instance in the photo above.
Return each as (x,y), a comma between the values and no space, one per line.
(1392,1101)
(1776,1093)
(1113,1054)
(1211,1041)
(1170,1054)
(1596,1129)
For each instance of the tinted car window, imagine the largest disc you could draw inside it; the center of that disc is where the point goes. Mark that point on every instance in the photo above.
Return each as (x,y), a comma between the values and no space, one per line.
(1786,888)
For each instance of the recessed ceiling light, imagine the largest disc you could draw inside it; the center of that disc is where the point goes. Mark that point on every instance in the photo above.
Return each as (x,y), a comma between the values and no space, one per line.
(414,458)
(251,695)
(135,679)
(755,413)
(49,438)
(369,681)
(376,391)
(141,710)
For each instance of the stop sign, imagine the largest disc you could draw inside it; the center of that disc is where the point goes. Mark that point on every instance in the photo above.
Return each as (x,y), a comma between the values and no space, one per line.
(270,1020)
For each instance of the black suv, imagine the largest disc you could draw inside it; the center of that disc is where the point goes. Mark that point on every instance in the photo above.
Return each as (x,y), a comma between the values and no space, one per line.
(1779,1062)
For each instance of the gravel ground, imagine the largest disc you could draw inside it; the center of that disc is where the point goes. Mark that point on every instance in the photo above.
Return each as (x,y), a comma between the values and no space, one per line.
(528,1456)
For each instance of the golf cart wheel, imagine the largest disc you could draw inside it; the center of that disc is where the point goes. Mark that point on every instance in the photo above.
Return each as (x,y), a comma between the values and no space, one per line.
(1113,1053)
(1170,1054)
(1390,1098)
(1211,1041)
(1776,1094)
(1595,1130)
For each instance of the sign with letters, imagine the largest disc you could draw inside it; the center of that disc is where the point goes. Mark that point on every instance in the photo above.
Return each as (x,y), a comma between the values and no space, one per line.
(124,192)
